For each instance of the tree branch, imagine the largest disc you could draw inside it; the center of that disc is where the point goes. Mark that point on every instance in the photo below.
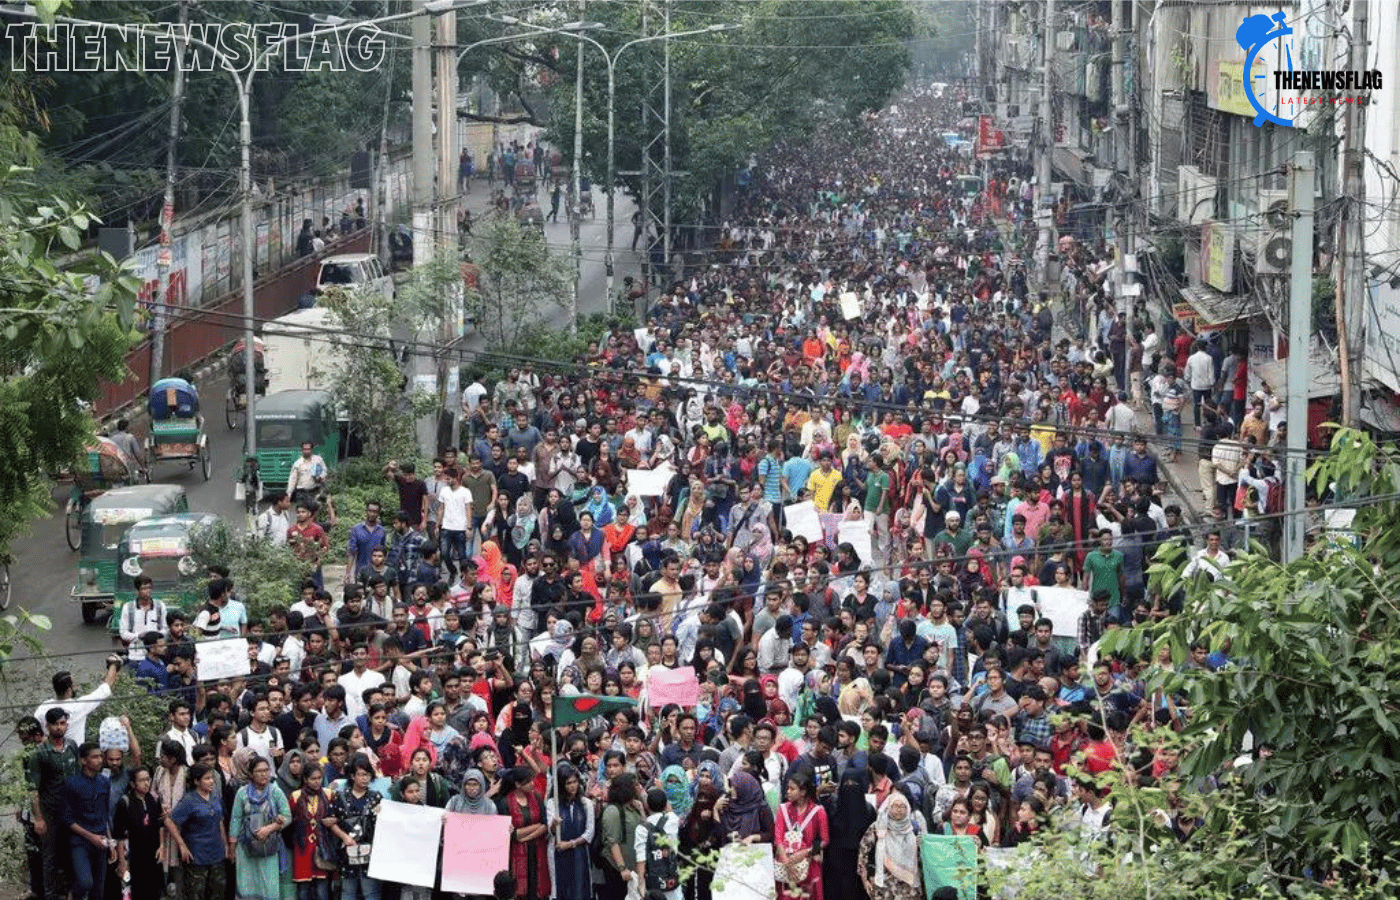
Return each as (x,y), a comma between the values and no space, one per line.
(521,56)
(526,118)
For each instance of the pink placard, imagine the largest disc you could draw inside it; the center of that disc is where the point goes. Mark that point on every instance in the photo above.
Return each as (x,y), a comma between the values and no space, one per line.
(474,849)
(678,686)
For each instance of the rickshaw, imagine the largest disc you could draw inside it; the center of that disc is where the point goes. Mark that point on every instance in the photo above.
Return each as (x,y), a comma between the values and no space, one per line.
(284,421)
(105,467)
(105,522)
(236,400)
(161,548)
(177,428)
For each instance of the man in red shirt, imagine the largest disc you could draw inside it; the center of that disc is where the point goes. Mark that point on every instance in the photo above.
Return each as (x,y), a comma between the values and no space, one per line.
(307,539)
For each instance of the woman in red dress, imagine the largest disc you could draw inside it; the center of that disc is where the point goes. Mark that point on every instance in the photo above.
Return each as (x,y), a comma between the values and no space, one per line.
(801,835)
(310,808)
(529,837)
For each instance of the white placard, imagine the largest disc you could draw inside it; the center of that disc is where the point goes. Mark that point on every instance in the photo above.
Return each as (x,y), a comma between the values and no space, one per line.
(803,520)
(644,339)
(1063,607)
(850,305)
(224,658)
(744,872)
(405,834)
(649,482)
(857,534)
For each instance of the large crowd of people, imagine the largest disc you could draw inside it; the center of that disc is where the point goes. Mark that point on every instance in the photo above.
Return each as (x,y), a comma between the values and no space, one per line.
(867,342)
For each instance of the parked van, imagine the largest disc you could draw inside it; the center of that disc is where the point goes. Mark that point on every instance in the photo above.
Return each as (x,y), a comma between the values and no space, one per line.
(353,269)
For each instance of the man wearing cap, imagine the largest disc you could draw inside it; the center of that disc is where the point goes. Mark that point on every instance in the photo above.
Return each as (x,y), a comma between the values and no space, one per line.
(953,535)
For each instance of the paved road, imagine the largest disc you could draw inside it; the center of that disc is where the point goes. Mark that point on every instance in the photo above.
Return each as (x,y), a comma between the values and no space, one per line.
(45,570)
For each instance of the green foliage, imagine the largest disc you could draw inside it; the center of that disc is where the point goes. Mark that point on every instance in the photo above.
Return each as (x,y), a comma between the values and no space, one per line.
(148,713)
(520,277)
(542,343)
(1316,676)
(794,66)
(64,333)
(263,573)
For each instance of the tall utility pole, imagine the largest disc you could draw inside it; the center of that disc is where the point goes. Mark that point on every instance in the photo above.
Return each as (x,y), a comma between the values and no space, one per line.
(1122,125)
(424,224)
(1047,147)
(453,312)
(164,256)
(422,86)
(575,192)
(1300,204)
(666,173)
(378,190)
(1350,275)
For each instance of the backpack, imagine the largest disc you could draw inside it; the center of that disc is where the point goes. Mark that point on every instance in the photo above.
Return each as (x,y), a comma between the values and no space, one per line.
(663,872)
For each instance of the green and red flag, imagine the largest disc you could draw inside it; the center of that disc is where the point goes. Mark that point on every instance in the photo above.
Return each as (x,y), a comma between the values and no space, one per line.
(581,707)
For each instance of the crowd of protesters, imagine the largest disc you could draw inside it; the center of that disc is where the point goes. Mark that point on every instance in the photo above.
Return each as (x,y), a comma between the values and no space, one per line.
(866,343)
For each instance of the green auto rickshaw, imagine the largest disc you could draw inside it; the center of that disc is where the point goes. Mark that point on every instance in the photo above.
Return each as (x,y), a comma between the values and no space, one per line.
(105,521)
(161,548)
(287,419)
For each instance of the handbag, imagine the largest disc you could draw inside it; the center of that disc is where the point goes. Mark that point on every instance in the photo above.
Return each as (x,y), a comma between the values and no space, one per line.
(259,816)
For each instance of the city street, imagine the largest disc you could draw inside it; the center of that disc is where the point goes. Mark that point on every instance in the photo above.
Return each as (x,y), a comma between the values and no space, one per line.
(45,569)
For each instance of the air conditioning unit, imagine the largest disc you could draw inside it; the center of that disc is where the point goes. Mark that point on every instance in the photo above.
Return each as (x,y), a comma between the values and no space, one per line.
(1273,253)
(1195,195)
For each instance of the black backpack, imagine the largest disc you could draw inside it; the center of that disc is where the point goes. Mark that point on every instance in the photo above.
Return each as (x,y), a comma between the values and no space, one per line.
(663,872)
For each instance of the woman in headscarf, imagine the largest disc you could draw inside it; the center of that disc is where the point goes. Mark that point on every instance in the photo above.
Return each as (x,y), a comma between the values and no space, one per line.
(676,784)
(472,800)
(600,507)
(694,509)
(700,832)
(260,811)
(588,547)
(571,821)
(629,456)
(755,707)
(744,816)
(291,772)
(854,816)
(889,853)
(760,544)
(855,697)
(522,529)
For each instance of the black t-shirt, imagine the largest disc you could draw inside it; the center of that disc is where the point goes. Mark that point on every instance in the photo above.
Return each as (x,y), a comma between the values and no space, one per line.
(411,494)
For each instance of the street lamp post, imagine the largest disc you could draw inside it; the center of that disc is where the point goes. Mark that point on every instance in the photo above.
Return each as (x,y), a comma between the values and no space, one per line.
(244,86)
(611,59)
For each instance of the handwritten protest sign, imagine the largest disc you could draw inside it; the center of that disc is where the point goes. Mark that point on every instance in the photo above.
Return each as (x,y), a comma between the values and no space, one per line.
(403,833)
(474,849)
(649,482)
(678,686)
(857,534)
(226,658)
(1063,607)
(804,520)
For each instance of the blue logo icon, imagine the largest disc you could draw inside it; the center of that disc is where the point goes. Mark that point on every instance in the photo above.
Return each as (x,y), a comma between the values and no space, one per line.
(1258,34)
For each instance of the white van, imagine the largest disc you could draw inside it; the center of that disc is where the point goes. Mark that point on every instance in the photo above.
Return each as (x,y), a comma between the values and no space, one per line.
(352,269)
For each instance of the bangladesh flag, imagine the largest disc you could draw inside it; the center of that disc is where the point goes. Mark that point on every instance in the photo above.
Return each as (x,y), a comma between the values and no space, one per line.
(580,707)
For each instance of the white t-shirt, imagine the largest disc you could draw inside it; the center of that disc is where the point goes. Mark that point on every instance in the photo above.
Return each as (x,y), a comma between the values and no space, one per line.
(354,686)
(454,508)
(78,710)
(471,397)
(671,829)
(263,744)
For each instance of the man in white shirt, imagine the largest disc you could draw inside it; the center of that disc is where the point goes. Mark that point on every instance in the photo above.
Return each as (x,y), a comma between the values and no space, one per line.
(139,616)
(664,820)
(79,708)
(775,645)
(307,475)
(454,518)
(471,397)
(260,736)
(180,718)
(791,679)
(1200,377)
(273,522)
(358,680)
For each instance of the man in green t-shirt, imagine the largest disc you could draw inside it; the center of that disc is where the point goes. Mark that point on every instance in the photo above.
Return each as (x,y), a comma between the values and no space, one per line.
(877,507)
(1103,571)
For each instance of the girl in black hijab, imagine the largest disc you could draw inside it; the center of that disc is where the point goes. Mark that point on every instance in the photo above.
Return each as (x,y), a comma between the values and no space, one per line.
(854,816)
(755,706)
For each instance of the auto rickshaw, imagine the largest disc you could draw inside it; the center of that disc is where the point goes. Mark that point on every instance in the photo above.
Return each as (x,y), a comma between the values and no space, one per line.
(177,428)
(284,421)
(161,548)
(236,399)
(104,467)
(105,522)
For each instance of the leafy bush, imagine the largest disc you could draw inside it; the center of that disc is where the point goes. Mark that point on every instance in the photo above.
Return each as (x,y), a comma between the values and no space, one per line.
(264,574)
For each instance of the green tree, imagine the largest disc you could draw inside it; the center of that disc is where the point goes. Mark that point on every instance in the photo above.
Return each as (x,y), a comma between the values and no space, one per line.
(1315,646)
(520,277)
(264,574)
